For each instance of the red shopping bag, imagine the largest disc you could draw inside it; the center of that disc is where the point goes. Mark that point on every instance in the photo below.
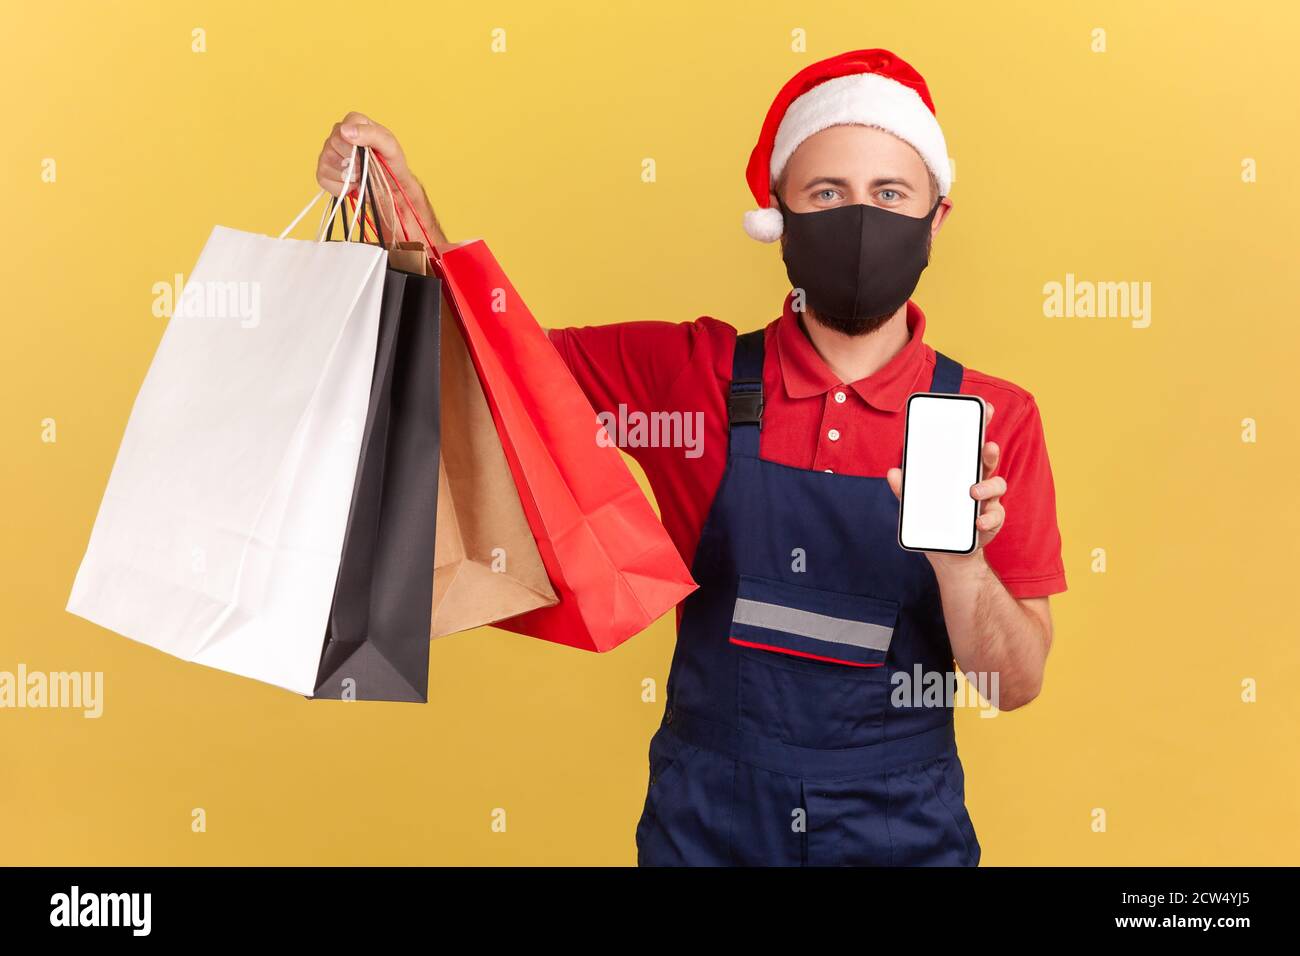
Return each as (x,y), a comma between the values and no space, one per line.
(610,561)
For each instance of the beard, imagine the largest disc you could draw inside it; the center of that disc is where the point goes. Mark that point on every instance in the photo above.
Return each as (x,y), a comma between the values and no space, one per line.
(851,325)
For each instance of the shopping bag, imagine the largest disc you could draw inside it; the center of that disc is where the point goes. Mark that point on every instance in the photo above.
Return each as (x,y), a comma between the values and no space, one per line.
(219,535)
(610,561)
(409,257)
(377,642)
(487,566)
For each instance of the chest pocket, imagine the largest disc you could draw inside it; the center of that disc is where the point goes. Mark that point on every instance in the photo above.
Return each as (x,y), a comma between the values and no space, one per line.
(847,629)
(810,663)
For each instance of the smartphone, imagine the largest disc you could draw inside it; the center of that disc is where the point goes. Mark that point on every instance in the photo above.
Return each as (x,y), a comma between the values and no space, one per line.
(941,460)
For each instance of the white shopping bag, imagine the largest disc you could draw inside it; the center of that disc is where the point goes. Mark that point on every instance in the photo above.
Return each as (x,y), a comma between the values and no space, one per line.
(219,536)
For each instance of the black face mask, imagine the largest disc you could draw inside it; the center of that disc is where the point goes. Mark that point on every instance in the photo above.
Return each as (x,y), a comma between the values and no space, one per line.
(855,264)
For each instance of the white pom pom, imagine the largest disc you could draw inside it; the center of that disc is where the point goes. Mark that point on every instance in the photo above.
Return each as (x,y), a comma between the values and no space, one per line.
(765,225)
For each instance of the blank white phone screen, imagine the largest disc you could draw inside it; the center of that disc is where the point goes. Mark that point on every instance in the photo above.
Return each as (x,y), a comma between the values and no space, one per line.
(941,462)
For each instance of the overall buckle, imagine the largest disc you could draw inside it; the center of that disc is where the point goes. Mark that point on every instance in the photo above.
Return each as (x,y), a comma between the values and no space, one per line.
(745,405)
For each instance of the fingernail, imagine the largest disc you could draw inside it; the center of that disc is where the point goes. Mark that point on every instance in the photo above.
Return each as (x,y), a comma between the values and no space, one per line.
(349,132)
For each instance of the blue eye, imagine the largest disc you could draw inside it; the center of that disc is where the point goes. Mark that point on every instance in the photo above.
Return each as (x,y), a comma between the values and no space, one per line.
(889,195)
(826,194)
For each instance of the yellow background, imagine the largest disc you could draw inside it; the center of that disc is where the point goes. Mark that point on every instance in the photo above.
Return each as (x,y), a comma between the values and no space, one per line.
(1123,165)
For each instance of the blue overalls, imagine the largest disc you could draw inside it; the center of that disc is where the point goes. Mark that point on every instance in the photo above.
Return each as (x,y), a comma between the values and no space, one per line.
(780,744)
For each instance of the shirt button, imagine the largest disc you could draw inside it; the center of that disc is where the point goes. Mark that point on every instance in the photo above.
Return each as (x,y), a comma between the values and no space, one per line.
(840,397)
(833,434)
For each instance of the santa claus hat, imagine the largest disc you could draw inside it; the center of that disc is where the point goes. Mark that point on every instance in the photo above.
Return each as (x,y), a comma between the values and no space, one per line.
(863,87)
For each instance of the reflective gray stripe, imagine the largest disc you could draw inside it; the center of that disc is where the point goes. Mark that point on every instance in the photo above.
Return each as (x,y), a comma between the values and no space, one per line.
(836,630)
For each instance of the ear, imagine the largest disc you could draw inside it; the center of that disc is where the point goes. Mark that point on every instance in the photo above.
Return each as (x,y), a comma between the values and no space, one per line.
(940,215)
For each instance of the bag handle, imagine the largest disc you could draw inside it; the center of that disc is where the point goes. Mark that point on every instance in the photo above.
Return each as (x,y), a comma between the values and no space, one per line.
(331,210)
(378,176)
(375,220)
(365,198)
(434,255)
(361,194)
(338,200)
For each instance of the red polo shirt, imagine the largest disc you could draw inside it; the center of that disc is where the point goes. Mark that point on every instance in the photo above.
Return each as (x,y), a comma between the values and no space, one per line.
(811,419)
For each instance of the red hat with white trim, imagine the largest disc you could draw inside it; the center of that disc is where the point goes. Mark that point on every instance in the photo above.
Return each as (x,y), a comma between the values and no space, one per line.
(864,88)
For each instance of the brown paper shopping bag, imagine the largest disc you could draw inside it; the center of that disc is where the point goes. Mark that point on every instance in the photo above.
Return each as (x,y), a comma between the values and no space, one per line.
(409,257)
(486,563)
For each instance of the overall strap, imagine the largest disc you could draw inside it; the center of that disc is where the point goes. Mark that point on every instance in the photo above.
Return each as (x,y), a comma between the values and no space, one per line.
(947,374)
(745,396)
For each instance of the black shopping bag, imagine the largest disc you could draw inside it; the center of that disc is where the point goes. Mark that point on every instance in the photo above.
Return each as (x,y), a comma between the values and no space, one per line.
(377,641)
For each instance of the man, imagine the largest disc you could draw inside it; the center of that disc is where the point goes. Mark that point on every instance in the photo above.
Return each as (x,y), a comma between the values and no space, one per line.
(785,739)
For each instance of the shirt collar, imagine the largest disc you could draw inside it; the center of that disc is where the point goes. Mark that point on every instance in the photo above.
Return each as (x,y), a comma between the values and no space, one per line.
(806,374)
